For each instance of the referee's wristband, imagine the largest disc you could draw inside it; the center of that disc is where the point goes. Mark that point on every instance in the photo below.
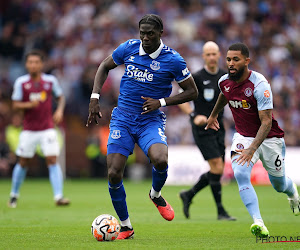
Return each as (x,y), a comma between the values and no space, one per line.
(193,115)
(95,96)
(162,102)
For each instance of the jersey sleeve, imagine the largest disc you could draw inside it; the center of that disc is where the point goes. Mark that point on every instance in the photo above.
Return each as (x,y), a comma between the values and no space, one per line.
(264,96)
(181,71)
(57,89)
(118,54)
(17,94)
(221,80)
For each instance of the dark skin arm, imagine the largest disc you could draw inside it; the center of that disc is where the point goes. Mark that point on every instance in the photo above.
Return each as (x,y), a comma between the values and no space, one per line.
(265,117)
(94,107)
(190,92)
(212,121)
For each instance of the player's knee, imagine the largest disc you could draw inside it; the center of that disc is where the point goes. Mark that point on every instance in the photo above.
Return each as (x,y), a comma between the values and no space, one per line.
(160,162)
(114,176)
(24,162)
(279,186)
(216,165)
(241,176)
(51,160)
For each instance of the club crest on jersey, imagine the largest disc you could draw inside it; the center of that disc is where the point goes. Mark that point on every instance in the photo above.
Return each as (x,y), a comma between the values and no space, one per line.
(27,86)
(116,134)
(155,65)
(248,92)
(46,86)
(208,94)
(239,146)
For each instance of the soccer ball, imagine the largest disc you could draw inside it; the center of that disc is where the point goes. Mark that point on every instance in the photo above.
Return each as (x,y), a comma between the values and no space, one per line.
(105,228)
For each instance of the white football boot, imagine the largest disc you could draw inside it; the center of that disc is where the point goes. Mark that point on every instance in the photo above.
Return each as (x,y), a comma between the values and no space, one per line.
(295,201)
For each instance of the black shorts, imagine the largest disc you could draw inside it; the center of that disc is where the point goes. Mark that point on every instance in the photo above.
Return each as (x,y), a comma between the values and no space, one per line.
(210,145)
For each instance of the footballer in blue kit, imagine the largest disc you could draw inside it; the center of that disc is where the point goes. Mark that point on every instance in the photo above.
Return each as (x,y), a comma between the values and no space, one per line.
(150,69)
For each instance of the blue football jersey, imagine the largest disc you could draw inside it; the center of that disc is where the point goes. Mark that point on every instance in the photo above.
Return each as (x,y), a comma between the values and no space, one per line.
(148,75)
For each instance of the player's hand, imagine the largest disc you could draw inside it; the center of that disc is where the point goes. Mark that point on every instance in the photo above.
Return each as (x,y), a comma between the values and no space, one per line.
(246,156)
(150,104)
(94,111)
(200,120)
(34,103)
(58,116)
(212,123)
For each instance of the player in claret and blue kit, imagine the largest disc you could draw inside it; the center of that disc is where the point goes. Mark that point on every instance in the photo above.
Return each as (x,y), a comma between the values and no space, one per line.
(33,94)
(258,135)
(150,68)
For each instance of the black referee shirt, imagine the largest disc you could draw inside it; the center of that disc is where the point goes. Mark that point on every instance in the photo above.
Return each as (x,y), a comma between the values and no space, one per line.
(209,91)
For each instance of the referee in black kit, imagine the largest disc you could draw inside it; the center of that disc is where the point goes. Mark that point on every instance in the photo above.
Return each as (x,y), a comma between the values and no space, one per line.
(211,143)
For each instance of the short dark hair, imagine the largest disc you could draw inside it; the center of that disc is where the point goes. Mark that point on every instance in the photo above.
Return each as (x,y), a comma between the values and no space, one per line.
(240,47)
(154,20)
(35,52)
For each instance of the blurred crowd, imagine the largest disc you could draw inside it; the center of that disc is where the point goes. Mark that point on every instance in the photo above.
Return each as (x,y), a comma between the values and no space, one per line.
(77,35)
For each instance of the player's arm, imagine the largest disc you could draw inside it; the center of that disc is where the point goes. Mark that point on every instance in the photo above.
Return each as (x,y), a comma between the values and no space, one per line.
(101,75)
(265,117)
(212,121)
(186,108)
(189,93)
(59,112)
(197,119)
(19,105)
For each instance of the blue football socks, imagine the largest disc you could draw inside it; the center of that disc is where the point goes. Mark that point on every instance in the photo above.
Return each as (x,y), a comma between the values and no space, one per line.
(18,176)
(158,180)
(248,195)
(118,198)
(282,185)
(56,179)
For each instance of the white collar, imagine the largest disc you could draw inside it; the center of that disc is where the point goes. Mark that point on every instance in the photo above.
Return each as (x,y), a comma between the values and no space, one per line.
(153,55)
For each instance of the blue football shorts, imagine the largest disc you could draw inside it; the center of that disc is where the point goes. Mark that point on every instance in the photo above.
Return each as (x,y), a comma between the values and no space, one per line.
(126,129)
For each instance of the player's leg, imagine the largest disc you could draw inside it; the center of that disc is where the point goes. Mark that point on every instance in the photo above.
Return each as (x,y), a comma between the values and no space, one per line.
(273,155)
(214,176)
(248,195)
(18,177)
(285,185)
(216,165)
(50,148)
(204,143)
(26,148)
(158,154)
(242,175)
(116,164)
(119,146)
(56,180)
(153,142)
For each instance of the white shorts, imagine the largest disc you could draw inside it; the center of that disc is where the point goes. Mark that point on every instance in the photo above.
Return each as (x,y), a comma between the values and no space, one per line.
(271,152)
(47,139)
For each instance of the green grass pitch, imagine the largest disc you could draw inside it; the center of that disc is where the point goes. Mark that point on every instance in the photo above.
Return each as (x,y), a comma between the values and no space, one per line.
(37,224)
